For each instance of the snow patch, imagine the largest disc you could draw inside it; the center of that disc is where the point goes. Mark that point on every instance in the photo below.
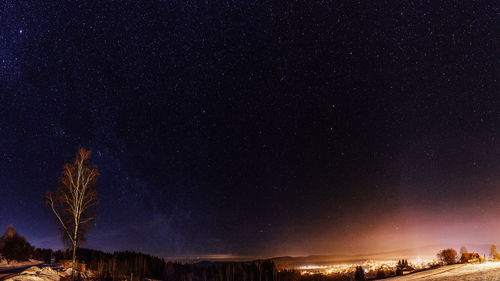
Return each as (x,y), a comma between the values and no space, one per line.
(35,273)
(465,272)
(16,264)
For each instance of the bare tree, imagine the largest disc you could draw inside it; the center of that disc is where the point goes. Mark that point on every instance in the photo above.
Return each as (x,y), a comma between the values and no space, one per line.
(74,201)
(494,255)
(463,250)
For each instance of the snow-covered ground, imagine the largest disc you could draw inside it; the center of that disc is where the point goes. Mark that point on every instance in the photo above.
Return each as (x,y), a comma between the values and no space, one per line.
(35,273)
(489,271)
(17,264)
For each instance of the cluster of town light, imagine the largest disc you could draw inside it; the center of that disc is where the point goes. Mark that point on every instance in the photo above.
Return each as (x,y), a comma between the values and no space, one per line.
(368,266)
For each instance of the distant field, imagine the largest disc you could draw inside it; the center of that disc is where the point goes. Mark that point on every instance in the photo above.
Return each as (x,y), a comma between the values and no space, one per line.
(489,271)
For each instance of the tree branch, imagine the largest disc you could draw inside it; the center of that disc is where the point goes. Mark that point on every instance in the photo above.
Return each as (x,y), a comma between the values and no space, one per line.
(51,201)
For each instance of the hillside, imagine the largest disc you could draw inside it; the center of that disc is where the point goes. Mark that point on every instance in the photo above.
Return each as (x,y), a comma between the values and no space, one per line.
(463,272)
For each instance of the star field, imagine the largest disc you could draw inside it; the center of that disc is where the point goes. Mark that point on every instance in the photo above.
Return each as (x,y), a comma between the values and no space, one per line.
(254,128)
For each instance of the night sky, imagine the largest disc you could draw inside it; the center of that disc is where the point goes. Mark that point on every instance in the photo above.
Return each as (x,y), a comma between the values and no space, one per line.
(255,128)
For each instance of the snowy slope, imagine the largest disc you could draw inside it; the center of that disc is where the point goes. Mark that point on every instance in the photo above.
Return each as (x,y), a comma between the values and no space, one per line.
(17,264)
(35,273)
(489,271)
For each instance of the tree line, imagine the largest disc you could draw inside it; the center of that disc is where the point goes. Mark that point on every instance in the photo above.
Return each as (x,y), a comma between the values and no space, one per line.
(138,266)
(450,256)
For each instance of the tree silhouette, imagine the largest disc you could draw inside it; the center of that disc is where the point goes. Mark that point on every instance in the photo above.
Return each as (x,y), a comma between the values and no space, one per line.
(494,255)
(448,256)
(75,199)
(463,250)
(360,274)
(14,246)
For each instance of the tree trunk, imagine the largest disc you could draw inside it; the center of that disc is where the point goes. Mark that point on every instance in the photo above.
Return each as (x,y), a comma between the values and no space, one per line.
(75,241)
(74,259)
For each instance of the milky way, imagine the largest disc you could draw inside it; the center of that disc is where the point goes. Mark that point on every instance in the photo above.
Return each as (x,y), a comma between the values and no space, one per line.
(255,128)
